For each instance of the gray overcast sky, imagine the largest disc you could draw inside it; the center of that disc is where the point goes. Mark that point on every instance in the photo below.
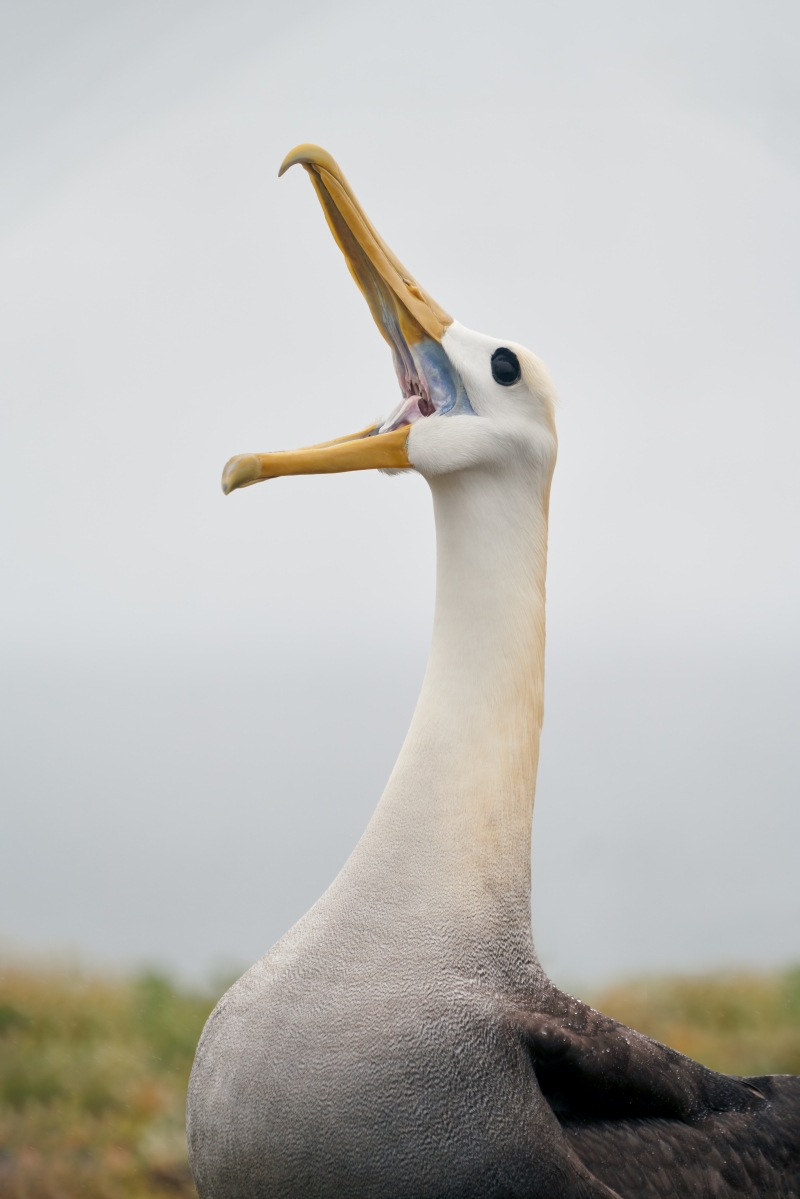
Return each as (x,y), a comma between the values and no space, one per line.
(202,698)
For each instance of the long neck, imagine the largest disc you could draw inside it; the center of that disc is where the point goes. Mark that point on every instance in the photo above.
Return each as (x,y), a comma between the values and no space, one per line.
(453,827)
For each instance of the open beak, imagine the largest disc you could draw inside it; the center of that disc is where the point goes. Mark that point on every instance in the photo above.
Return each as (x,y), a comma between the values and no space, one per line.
(411,322)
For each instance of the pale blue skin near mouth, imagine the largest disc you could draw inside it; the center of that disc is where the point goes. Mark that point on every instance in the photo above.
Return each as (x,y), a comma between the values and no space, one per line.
(424,369)
(446,390)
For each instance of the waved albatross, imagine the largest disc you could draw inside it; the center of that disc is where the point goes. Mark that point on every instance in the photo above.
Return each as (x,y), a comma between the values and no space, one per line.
(402,1039)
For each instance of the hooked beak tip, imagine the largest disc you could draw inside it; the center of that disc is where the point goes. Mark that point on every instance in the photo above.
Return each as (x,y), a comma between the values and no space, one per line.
(240,471)
(310,156)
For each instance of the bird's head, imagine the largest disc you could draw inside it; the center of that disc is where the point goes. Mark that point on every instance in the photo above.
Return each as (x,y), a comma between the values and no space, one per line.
(468,400)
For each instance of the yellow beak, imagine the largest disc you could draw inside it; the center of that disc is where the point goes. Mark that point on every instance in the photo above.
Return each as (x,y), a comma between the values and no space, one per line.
(389,289)
(365,450)
(405,314)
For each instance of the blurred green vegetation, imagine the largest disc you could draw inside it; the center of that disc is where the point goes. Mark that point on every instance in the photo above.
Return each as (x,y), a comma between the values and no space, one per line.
(93,1071)
(93,1078)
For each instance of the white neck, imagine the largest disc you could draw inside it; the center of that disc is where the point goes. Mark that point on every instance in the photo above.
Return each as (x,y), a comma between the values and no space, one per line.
(451,835)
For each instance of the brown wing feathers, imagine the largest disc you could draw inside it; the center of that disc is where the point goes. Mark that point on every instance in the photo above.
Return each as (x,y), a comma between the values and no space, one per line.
(649,1122)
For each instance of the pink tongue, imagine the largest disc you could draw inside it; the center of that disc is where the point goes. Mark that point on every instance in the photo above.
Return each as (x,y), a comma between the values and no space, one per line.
(411,410)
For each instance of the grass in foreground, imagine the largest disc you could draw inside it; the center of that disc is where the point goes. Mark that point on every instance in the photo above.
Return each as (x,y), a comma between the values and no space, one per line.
(93,1078)
(93,1072)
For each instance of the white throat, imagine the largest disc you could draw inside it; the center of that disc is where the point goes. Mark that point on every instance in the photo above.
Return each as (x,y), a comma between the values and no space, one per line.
(449,843)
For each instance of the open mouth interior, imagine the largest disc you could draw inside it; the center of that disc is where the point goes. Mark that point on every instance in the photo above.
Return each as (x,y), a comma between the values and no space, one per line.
(416,401)
(428,382)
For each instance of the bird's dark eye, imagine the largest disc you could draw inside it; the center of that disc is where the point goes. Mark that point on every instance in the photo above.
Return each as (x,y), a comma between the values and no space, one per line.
(505,367)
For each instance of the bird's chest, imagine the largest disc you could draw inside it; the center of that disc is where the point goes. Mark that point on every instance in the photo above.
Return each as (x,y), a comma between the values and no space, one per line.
(371,1080)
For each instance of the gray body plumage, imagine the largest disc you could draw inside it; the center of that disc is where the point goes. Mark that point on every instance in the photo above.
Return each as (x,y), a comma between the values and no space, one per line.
(349,1063)
(344,1063)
